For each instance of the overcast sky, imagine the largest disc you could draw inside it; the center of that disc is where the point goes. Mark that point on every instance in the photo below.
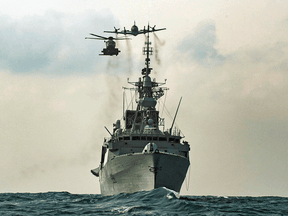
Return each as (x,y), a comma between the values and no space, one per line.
(228,59)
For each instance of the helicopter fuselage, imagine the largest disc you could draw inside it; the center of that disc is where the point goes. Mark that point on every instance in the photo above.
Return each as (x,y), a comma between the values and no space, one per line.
(110,48)
(110,44)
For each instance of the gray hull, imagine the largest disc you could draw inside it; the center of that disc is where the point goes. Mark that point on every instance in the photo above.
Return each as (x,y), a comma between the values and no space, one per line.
(143,172)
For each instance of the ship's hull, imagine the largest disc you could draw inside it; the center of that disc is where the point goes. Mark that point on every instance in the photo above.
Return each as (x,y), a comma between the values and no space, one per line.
(143,172)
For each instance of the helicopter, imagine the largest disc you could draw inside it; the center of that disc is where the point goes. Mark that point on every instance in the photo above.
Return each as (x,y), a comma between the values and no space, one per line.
(135,31)
(110,44)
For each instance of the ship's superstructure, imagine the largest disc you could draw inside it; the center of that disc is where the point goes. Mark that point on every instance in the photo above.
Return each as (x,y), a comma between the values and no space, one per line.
(140,155)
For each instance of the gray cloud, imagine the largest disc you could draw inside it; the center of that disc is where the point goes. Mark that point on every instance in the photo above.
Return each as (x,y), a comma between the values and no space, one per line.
(238,121)
(200,45)
(54,126)
(53,43)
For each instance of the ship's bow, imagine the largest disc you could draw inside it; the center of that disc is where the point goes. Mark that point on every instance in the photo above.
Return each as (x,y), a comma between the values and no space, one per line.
(142,172)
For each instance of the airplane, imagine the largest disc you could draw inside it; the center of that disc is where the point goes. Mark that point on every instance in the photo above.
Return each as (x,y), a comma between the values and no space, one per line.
(110,44)
(135,31)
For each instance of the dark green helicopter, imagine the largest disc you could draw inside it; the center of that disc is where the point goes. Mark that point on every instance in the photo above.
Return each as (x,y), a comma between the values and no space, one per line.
(110,44)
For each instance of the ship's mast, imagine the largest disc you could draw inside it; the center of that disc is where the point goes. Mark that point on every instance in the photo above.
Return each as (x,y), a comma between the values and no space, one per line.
(148,90)
(147,50)
(146,116)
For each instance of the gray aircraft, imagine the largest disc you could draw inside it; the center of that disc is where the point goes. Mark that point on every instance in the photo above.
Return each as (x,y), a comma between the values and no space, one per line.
(135,31)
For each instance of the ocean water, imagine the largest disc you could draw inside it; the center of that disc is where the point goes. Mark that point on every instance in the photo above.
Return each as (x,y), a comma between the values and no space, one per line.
(160,201)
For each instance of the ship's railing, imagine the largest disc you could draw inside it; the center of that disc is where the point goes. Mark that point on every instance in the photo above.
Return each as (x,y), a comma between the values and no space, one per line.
(150,134)
(143,137)
(147,131)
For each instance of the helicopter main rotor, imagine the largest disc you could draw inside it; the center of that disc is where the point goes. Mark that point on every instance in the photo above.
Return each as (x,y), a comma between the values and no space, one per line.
(99,37)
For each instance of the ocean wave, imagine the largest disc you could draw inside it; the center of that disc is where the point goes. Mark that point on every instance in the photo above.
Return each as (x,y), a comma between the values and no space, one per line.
(160,201)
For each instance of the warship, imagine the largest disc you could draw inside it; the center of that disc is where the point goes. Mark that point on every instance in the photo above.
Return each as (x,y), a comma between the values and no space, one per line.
(141,155)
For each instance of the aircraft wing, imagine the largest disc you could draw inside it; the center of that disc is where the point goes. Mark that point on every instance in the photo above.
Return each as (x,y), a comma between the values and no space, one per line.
(125,32)
(120,32)
(142,31)
(153,30)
